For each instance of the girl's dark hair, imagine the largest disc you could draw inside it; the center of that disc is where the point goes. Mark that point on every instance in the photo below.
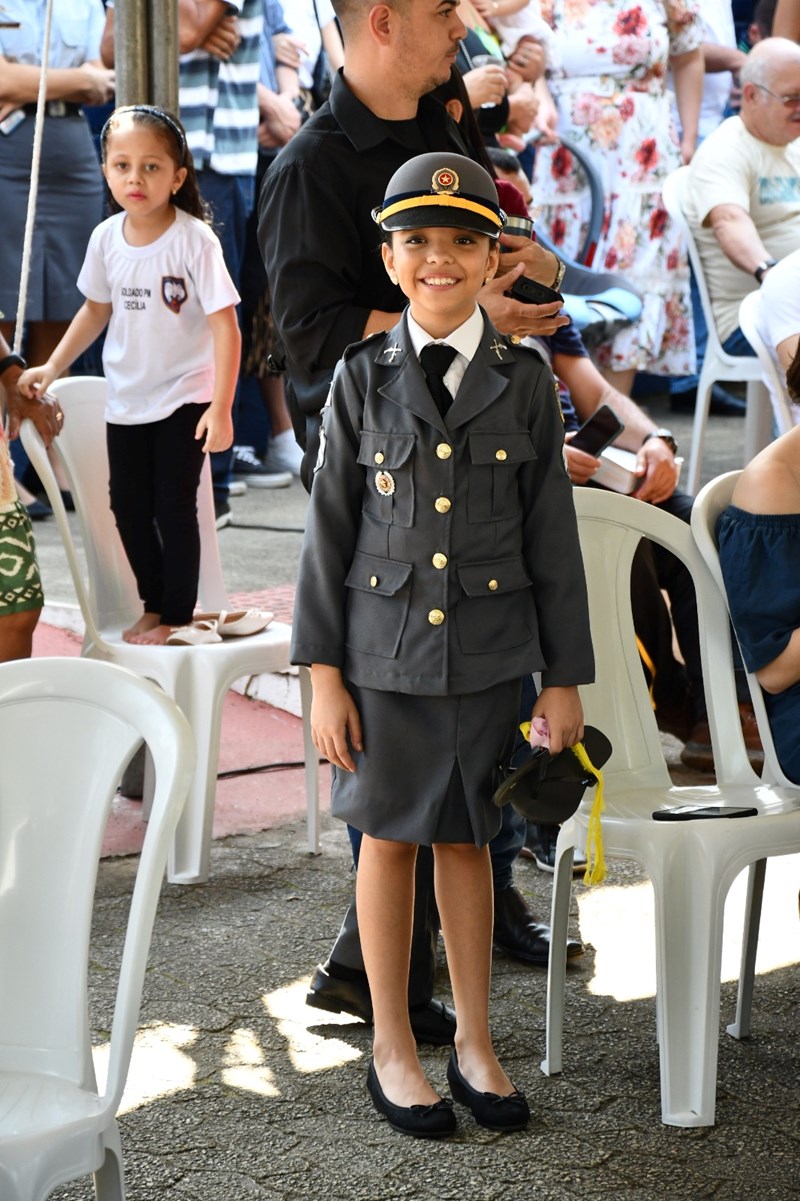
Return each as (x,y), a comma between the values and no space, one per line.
(173,135)
(793,377)
(455,89)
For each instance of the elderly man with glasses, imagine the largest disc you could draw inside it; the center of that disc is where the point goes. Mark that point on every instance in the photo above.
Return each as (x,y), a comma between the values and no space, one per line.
(744,190)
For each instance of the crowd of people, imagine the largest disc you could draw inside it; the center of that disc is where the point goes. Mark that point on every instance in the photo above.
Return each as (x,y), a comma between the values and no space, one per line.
(244,235)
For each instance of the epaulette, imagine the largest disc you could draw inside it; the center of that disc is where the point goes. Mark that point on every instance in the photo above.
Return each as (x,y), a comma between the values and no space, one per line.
(355,347)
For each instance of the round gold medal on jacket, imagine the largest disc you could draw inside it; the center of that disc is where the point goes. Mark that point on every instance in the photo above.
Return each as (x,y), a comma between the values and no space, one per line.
(384,482)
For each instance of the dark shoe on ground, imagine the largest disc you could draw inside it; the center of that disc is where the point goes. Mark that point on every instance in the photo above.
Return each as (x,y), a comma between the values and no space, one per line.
(723,403)
(488,1109)
(517,932)
(540,846)
(337,993)
(247,466)
(343,990)
(420,1121)
(698,755)
(37,510)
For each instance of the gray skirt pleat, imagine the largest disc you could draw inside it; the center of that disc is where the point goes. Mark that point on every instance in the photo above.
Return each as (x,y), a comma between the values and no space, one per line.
(429,764)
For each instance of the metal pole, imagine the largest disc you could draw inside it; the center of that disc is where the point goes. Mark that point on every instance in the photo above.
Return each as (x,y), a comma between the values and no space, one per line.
(131,51)
(164,53)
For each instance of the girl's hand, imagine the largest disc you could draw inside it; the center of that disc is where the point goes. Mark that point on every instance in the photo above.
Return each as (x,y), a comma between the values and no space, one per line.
(35,381)
(217,427)
(564,713)
(334,717)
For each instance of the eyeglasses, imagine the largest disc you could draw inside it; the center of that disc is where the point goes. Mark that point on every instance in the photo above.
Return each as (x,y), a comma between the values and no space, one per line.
(792,101)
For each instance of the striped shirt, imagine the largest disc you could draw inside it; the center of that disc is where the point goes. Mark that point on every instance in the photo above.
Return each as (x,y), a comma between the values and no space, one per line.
(218,104)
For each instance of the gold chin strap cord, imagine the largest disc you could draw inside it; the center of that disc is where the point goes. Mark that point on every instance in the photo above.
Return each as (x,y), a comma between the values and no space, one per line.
(595,856)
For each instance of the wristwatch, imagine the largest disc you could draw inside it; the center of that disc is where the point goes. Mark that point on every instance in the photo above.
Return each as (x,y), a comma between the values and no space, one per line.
(762,268)
(560,272)
(665,436)
(12,360)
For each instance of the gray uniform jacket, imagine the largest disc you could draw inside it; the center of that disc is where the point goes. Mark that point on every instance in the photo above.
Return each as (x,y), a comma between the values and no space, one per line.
(441,555)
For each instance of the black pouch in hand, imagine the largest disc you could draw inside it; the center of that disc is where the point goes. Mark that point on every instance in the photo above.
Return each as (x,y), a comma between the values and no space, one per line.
(549,788)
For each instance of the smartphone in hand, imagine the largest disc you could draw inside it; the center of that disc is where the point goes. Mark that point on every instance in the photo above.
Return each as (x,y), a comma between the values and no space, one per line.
(602,428)
(531,292)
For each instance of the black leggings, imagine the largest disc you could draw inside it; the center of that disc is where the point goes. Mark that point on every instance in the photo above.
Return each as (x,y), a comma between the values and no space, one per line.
(154,472)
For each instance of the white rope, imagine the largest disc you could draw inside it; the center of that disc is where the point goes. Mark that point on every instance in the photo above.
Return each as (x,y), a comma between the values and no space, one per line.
(27,244)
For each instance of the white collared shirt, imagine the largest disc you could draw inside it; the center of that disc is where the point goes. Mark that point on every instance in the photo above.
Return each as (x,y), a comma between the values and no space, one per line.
(465,341)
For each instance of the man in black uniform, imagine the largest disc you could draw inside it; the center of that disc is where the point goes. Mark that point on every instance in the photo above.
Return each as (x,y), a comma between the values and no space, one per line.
(329,288)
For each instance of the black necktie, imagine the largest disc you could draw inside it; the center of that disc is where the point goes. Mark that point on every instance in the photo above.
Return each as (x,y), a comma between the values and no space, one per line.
(435,359)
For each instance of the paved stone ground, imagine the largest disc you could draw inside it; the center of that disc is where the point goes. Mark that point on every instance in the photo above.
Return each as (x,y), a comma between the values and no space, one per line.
(238,1090)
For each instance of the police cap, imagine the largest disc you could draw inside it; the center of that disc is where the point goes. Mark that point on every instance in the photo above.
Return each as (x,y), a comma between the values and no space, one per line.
(441,189)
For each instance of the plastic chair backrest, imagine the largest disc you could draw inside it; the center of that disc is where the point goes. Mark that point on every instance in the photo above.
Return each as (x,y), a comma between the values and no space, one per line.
(786,414)
(68,727)
(673,193)
(107,591)
(710,503)
(618,702)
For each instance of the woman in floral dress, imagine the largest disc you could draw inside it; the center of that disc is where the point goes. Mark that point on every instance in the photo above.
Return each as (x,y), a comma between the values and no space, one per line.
(611,97)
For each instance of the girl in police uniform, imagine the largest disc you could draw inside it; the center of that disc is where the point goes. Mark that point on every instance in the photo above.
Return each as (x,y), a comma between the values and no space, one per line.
(440,564)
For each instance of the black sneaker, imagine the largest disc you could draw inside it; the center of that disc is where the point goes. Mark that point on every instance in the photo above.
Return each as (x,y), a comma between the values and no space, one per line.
(540,845)
(247,466)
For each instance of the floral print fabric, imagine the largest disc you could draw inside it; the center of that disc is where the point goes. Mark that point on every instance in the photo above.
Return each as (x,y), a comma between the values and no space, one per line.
(610,90)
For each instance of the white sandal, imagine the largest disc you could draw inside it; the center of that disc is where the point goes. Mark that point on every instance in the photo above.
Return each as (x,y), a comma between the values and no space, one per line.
(237,625)
(199,633)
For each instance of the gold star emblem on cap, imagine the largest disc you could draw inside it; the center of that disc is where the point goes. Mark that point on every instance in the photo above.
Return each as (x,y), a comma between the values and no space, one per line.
(445,180)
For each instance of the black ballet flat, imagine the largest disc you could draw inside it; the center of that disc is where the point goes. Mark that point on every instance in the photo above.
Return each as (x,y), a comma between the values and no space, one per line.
(420,1121)
(488,1109)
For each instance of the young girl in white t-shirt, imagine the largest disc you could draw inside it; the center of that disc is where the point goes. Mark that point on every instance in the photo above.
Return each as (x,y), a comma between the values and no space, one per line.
(155,275)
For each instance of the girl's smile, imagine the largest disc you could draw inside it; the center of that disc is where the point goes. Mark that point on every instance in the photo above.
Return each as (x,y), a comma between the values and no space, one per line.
(440,269)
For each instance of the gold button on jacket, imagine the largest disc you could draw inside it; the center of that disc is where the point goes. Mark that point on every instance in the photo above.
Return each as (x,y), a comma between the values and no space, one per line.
(436,617)
(493,585)
(501,455)
(439,560)
(379,457)
(443,451)
(442,504)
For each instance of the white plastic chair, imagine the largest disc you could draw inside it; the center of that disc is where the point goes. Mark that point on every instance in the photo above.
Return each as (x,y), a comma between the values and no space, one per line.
(197,677)
(718,365)
(785,413)
(691,864)
(67,729)
(711,502)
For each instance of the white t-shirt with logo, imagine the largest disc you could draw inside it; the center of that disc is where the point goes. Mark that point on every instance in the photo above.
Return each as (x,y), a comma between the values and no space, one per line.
(159,351)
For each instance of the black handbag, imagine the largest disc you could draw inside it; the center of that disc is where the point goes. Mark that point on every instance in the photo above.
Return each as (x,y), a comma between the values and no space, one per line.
(549,788)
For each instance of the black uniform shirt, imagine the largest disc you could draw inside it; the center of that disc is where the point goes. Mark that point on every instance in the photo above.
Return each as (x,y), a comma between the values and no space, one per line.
(320,246)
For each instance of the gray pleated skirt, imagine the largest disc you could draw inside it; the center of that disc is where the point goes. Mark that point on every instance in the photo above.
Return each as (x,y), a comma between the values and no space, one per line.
(428,768)
(70,204)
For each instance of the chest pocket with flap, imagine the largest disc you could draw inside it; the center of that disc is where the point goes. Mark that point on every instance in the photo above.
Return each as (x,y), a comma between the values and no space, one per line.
(495,459)
(388,461)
